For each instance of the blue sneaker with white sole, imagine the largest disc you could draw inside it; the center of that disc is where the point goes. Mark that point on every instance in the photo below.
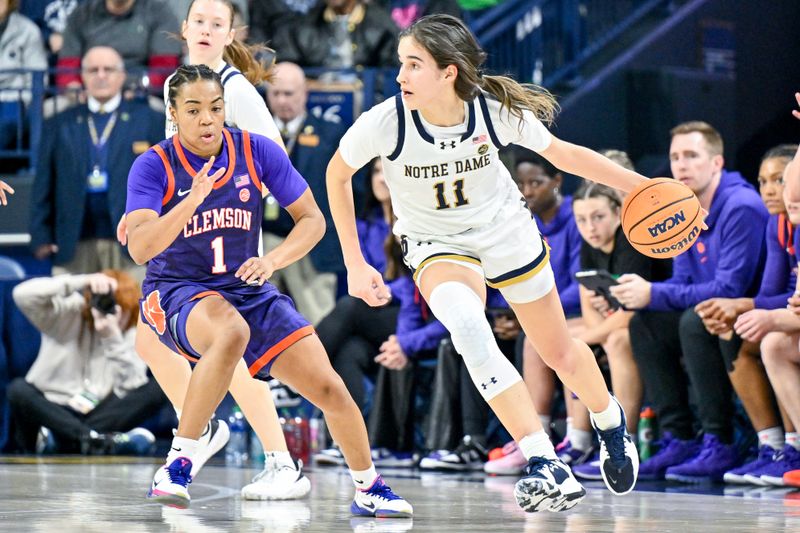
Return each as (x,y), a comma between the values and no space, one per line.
(619,458)
(379,501)
(548,485)
(171,483)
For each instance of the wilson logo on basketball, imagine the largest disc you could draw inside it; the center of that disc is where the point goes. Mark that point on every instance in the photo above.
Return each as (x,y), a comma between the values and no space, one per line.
(666,225)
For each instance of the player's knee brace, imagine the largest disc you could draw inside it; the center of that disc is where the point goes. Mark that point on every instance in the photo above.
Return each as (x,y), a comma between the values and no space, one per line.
(462,313)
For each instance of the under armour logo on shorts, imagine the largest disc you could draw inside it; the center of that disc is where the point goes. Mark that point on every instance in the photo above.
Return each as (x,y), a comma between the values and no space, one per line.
(492,381)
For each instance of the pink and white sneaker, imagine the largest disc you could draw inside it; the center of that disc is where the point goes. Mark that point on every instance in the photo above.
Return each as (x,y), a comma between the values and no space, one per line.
(171,483)
(511,464)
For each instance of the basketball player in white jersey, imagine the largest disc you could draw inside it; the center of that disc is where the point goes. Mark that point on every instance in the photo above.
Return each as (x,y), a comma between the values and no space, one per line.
(209,35)
(463,224)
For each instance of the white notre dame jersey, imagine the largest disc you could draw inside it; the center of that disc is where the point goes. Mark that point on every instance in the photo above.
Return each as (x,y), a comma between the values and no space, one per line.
(245,109)
(443,180)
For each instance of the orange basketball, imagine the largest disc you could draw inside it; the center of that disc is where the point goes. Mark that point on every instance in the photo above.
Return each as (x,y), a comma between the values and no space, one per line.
(661,218)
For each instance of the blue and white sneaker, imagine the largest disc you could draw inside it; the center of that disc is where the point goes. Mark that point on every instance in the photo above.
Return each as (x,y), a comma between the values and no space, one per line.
(380,501)
(619,459)
(171,483)
(548,485)
(386,458)
(739,474)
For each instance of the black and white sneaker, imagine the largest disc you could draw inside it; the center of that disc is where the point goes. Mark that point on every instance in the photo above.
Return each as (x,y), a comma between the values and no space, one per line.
(548,485)
(329,457)
(619,458)
(470,455)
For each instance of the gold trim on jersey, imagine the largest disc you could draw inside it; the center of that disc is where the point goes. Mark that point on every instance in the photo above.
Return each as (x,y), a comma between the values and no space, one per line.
(451,257)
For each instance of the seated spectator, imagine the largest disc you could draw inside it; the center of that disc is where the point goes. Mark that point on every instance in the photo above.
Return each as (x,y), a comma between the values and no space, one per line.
(81,178)
(87,384)
(781,353)
(540,184)
(268,16)
(778,282)
(597,213)
(21,47)
(51,17)
(340,34)
(726,261)
(417,334)
(140,30)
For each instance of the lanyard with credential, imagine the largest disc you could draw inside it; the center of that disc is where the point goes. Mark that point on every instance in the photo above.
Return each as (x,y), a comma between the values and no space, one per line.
(100,142)
(97,181)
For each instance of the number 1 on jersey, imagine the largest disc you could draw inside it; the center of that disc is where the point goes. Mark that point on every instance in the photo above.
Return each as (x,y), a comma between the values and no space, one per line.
(218,245)
(458,190)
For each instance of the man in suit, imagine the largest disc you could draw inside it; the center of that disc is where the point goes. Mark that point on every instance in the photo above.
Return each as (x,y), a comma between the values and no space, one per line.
(80,184)
(311,142)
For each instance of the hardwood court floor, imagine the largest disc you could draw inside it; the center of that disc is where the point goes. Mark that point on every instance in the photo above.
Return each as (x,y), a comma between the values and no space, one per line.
(66,495)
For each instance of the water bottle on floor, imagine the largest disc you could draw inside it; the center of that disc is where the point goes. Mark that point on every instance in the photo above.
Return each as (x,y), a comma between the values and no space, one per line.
(236,450)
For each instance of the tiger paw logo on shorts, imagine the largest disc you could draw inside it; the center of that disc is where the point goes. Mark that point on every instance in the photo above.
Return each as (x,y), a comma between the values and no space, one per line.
(153,312)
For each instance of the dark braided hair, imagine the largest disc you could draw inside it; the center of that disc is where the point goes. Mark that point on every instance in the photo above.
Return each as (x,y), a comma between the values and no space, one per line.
(188,74)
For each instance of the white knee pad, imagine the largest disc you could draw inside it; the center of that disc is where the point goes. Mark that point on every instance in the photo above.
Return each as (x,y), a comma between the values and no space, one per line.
(462,313)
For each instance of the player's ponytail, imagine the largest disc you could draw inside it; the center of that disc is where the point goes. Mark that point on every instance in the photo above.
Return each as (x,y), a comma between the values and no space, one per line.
(245,58)
(450,42)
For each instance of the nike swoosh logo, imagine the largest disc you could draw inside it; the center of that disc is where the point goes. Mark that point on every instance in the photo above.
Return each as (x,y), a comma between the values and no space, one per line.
(177,449)
(181,192)
(370,506)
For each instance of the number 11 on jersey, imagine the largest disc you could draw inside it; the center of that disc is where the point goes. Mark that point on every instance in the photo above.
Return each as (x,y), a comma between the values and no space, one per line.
(458,191)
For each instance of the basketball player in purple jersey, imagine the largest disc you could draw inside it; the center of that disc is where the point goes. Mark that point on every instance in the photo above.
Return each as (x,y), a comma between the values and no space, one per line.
(194,207)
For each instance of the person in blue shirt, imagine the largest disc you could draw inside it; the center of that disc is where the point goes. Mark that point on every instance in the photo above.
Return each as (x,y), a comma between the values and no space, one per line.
(726,261)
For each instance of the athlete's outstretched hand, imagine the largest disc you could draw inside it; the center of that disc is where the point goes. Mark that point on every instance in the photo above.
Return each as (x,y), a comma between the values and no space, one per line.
(203,183)
(256,270)
(795,112)
(5,188)
(366,283)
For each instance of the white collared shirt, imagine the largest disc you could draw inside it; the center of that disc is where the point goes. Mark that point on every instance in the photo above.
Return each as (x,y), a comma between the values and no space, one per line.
(108,107)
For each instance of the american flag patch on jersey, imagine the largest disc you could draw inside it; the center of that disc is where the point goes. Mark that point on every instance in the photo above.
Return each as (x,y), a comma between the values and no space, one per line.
(241,181)
(479,139)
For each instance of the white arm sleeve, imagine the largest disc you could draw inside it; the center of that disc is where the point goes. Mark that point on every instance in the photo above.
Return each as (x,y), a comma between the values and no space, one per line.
(248,111)
(373,134)
(170,128)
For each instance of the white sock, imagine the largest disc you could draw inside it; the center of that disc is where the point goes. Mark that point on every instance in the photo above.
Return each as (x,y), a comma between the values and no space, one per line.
(363,479)
(793,439)
(546,419)
(182,447)
(537,445)
(609,418)
(283,459)
(772,437)
(580,439)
